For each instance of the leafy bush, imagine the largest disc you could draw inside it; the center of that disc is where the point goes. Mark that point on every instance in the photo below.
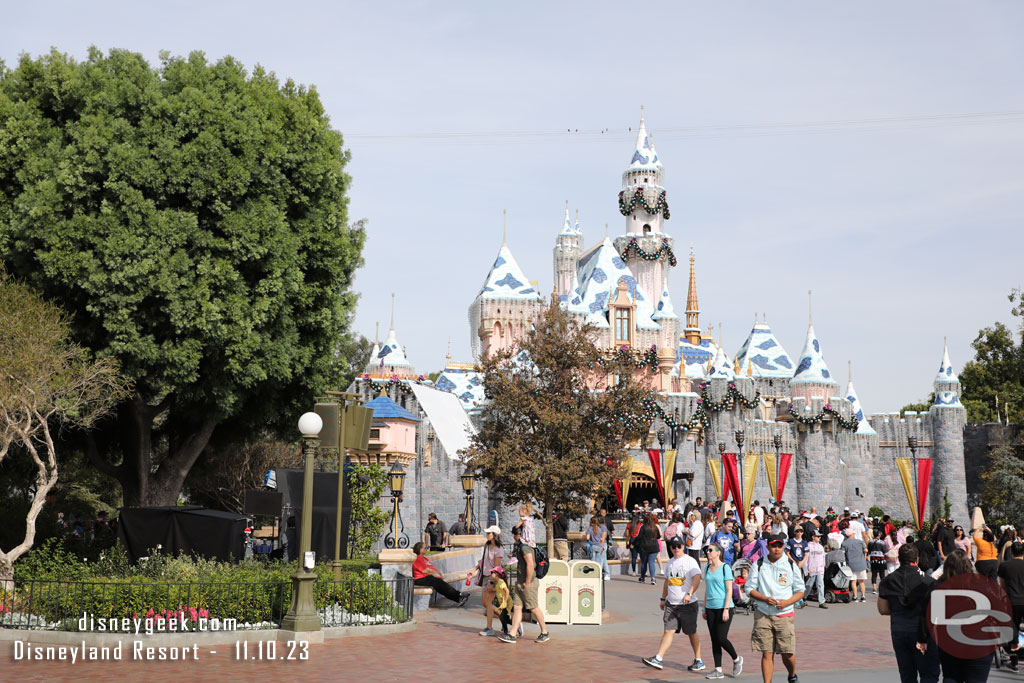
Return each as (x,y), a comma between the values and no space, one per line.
(876,512)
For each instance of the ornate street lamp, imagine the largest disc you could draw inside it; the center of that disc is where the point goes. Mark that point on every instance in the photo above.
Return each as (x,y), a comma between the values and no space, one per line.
(302,614)
(468,481)
(912,443)
(396,536)
(661,449)
(740,436)
(777,440)
(721,457)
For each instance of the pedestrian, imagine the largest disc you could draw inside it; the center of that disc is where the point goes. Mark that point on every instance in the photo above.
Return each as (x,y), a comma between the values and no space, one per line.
(1011,579)
(961,540)
(815,567)
(680,607)
(459,528)
(718,581)
(903,596)
(694,535)
(955,668)
(876,559)
(708,520)
(435,535)
(500,602)
(597,538)
(636,522)
(610,525)
(647,540)
(857,561)
(987,562)
(524,595)
(425,574)
(560,536)
(727,541)
(492,557)
(927,557)
(752,548)
(775,586)
(661,544)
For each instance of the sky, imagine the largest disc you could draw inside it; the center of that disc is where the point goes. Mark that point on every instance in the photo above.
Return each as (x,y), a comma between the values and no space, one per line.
(872,152)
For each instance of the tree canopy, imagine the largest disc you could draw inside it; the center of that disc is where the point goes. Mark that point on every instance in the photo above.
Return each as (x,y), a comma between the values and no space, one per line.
(995,377)
(545,436)
(192,218)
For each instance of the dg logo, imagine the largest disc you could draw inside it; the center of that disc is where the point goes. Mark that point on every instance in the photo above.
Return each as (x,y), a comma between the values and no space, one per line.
(969,616)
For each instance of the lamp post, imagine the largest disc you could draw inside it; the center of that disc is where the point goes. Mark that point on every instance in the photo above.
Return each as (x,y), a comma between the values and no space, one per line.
(302,615)
(396,536)
(777,440)
(912,443)
(721,457)
(740,436)
(661,463)
(468,481)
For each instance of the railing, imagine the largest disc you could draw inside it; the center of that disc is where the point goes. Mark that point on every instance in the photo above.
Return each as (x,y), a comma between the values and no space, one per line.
(137,607)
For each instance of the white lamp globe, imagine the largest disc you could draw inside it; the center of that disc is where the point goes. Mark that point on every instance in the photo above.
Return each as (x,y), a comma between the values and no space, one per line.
(310,424)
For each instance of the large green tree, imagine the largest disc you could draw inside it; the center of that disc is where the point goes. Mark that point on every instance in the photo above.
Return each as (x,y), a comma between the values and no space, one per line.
(546,437)
(995,377)
(192,218)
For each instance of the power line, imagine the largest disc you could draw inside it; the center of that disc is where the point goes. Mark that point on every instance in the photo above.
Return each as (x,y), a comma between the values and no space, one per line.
(711,131)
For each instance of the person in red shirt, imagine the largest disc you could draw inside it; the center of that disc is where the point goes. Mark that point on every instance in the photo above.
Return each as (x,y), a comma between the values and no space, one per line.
(424,574)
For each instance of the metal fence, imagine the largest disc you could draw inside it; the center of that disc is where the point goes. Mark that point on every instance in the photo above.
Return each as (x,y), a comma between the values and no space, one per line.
(121,607)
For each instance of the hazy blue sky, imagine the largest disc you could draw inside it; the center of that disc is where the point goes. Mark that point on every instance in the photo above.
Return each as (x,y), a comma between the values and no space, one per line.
(907,230)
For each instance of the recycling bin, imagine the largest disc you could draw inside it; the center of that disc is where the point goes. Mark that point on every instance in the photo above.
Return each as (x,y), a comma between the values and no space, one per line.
(553,592)
(585,586)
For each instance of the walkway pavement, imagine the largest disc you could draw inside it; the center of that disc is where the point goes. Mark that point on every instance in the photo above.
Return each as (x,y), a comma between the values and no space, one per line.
(844,644)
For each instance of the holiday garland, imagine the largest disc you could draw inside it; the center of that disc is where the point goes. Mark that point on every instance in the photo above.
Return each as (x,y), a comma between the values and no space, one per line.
(650,409)
(634,247)
(850,424)
(624,356)
(387,385)
(627,206)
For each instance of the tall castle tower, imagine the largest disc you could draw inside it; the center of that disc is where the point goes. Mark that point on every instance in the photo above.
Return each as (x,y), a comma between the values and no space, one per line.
(948,417)
(568,247)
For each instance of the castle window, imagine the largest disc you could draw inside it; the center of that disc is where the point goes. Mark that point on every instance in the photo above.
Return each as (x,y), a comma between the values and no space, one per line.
(375,434)
(622,325)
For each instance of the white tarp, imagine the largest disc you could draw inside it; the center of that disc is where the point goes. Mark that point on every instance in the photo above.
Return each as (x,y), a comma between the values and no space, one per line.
(447,416)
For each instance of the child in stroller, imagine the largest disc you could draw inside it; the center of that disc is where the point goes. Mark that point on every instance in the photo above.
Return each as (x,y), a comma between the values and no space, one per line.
(740,570)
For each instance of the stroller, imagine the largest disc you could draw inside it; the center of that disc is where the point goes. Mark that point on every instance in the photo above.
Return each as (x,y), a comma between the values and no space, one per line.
(740,571)
(838,577)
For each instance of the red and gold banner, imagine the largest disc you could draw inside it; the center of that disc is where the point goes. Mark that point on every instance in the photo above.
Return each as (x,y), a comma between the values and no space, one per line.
(670,469)
(785,460)
(769,470)
(655,457)
(716,477)
(924,477)
(903,466)
(624,482)
(732,479)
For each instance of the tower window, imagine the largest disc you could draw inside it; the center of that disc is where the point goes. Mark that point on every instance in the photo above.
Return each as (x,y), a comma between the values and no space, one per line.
(622,325)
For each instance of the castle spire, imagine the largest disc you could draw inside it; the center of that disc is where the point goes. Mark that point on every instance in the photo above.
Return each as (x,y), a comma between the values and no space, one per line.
(692,331)
(947,384)
(863,426)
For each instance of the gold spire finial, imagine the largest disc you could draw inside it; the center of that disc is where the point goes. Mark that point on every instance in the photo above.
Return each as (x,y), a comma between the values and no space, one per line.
(448,356)
(750,369)
(692,331)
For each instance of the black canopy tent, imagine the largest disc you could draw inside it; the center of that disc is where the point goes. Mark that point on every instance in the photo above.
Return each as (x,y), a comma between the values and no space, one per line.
(191,530)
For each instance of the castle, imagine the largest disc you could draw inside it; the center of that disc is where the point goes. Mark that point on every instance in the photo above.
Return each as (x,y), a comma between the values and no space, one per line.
(840,456)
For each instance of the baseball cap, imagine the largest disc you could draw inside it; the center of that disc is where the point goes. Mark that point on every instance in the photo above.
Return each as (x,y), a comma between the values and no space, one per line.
(776,538)
(676,542)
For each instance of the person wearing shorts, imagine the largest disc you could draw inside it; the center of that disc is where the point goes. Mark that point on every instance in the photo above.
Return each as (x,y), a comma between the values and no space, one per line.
(775,584)
(680,607)
(524,593)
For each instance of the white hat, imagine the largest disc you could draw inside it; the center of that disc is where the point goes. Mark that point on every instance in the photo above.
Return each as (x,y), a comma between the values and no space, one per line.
(493,529)
(856,513)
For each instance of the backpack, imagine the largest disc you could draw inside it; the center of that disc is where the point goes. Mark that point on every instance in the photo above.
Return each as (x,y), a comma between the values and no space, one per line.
(541,564)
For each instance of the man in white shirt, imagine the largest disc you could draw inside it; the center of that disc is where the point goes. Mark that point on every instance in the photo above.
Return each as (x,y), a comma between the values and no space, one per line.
(680,605)
(695,535)
(758,514)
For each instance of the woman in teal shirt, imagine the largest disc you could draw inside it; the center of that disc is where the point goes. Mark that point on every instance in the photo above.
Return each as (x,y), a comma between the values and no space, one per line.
(718,610)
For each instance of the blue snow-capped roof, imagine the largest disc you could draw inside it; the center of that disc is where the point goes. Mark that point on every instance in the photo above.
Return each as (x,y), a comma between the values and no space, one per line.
(391,353)
(384,408)
(811,367)
(765,354)
(665,309)
(567,229)
(644,155)
(467,385)
(600,271)
(947,399)
(506,280)
(695,357)
(946,373)
(721,367)
(863,426)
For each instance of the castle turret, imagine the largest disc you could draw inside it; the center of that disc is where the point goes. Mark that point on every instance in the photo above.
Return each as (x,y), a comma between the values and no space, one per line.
(389,360)
(948,417)
(692,331)
(812,378)
(505,307)
(568,247)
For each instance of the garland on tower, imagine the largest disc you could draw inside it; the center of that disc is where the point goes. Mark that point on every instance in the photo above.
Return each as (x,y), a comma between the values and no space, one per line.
(387,385)
(651,410)
(634,247)
(626,206)
(850,424)
(623,355)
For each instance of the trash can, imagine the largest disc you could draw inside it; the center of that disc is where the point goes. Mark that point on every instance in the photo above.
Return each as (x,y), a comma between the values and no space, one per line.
(553,591)
(585,592)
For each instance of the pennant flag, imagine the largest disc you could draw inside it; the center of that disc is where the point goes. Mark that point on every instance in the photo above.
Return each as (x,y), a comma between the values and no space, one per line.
(626,480)
(769,470)
(750,462)
(924,476)
(716,477)
(904,465)
(618,493)
(732,479)
(655,457)
(670,468)
(785,460)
